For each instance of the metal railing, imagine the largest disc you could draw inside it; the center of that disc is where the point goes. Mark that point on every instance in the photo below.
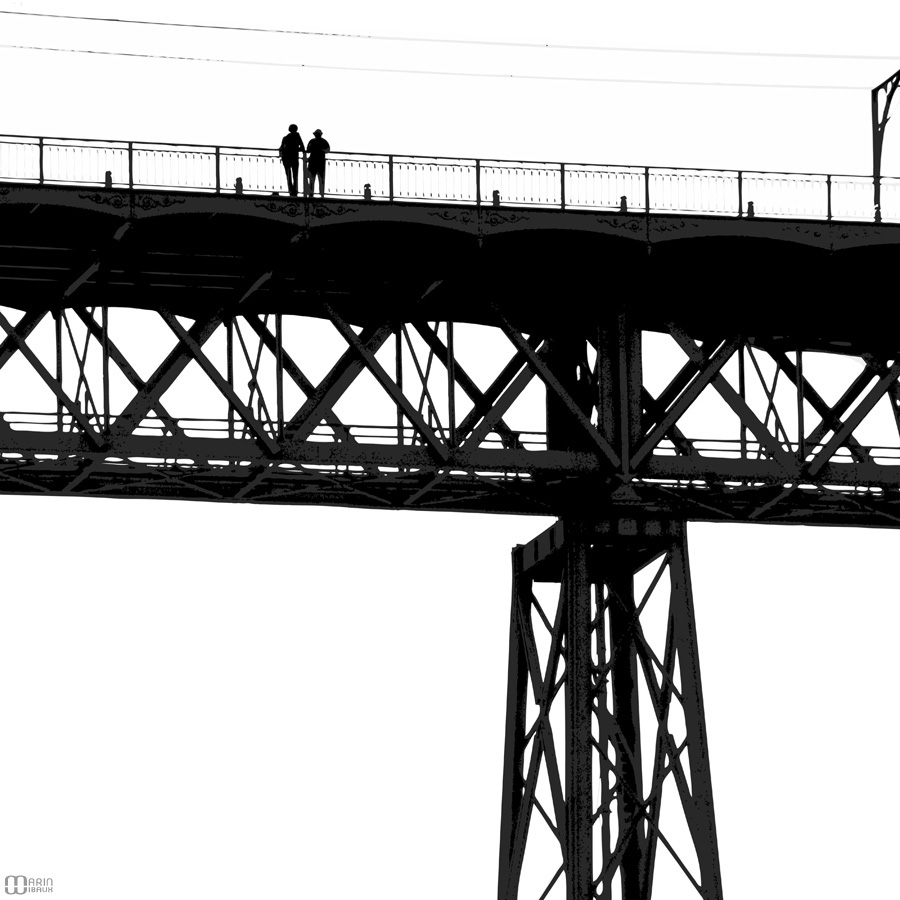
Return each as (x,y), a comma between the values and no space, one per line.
(130,165)
(407,436)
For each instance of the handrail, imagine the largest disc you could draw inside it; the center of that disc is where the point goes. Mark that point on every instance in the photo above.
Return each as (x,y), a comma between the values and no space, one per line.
(537,162)
(479,182)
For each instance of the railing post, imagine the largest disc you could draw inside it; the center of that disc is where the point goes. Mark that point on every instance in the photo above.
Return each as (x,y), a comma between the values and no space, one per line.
(478,182)
(40,160)
(391,178)
(646,191)
(740,194)
(828,182)
(130,166)
(562,184)
(218,179)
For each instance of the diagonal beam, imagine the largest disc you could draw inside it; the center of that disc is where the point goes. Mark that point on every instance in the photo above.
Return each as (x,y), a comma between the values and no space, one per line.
(127,369)
(164,376)
(849,397)
(701,820)
(501,405)
(320,402)
(490,396)
(865,406)
(738,405)
(438,448)
(149,392)
(291,367)
(654,411)
(224,387)
(553,383)
(423,376)
(81,356)
(769,391)
(894,390)
(53,384)
(682,379)
(815,400)
(12,342)
(465,382)
(708,369)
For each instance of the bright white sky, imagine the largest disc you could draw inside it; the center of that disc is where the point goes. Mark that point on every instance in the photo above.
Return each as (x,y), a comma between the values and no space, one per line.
(234,701)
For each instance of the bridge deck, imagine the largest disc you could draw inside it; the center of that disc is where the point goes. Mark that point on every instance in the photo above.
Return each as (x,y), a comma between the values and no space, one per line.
(764,389)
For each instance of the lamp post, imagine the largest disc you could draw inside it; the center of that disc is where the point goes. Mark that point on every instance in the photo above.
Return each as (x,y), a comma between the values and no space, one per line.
(881,97)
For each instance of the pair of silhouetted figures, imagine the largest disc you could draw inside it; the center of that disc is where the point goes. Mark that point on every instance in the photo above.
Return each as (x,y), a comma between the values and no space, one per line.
(313,154)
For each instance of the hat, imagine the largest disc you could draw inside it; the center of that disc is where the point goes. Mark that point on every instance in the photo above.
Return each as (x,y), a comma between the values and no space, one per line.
(318,131)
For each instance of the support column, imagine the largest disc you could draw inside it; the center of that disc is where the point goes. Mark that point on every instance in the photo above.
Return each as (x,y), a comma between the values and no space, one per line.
(622,667)
(514,753)
(595,658)
(576,594)
(619,378)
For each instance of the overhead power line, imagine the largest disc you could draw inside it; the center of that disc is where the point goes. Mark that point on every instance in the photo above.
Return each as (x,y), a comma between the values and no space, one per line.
(443,40)
(501,75)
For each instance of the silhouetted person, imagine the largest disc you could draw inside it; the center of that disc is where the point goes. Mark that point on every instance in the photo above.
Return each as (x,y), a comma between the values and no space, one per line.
(289,151)
(317,149)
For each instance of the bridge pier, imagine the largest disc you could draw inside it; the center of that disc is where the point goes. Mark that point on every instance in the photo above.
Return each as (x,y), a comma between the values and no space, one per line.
(602,624)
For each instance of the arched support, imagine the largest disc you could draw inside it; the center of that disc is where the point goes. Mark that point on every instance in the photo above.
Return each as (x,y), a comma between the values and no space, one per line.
(622,780)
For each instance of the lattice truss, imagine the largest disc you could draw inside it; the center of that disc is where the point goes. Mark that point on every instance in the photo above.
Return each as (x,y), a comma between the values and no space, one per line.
(744,413)
(272,394)
(606,783)
(240,405)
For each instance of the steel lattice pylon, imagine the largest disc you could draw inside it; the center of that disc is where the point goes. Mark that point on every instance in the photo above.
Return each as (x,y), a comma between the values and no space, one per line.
(598,803)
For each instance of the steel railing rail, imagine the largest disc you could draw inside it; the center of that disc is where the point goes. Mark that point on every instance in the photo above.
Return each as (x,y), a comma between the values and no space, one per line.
(50,421)
(639,190)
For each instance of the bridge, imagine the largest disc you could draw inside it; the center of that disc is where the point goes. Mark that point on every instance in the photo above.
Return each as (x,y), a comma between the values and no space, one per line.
(626,348)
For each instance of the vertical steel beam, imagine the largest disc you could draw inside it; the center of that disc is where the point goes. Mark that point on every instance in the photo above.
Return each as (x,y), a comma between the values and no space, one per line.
(579,690)
(451,386)
(630,376)
(514,754)
(619,385)
(279,377)
(624,675)
(57,325)
(229,354)
(607,794)
(398,377)
(104,320)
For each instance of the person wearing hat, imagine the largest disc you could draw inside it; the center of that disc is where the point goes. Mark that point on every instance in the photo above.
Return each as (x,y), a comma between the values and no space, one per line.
(317,148)
(289,151)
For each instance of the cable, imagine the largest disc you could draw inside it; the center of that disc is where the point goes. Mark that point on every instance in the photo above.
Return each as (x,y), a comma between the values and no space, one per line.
(465,41)
(251,62)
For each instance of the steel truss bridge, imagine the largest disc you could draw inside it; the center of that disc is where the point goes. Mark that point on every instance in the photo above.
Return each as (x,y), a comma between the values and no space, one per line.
(625,366)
